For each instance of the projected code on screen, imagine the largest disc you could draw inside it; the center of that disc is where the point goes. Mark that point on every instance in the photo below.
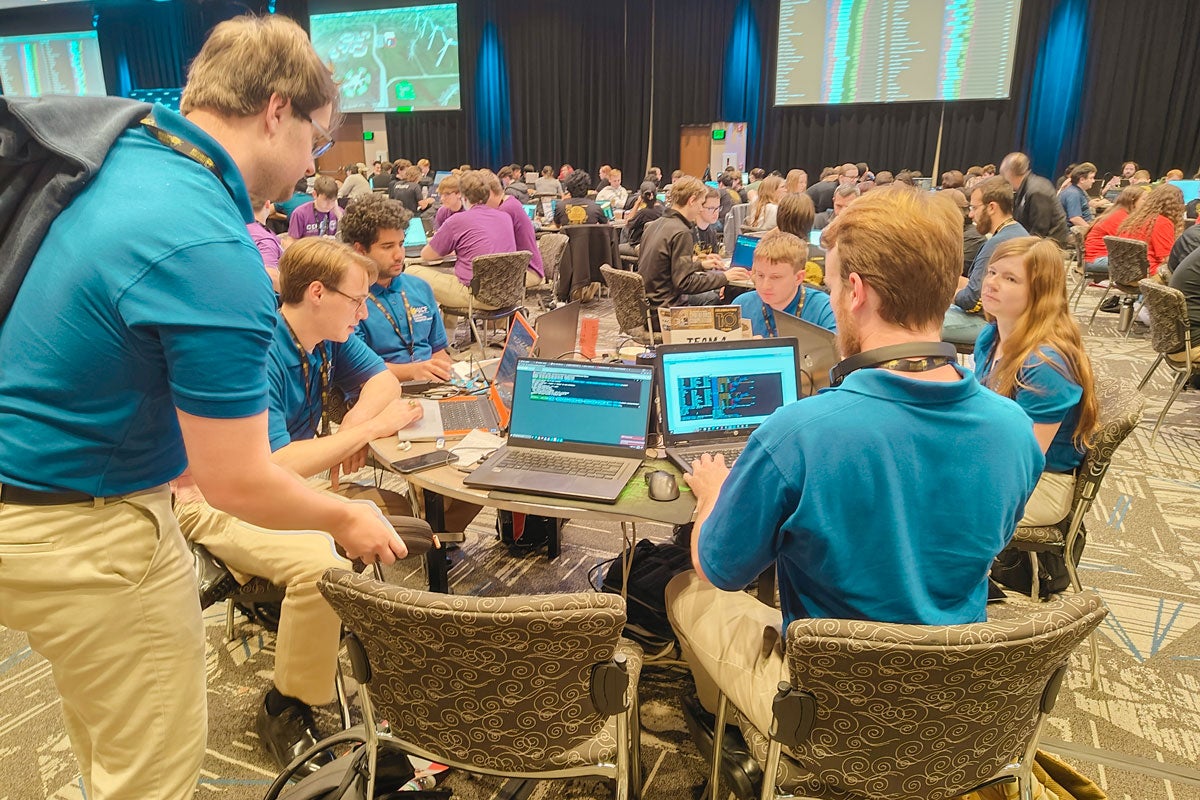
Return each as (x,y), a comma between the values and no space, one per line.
(879,51)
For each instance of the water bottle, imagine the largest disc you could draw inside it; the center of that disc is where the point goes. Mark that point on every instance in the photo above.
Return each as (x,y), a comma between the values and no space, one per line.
(424,780)
(1126,318)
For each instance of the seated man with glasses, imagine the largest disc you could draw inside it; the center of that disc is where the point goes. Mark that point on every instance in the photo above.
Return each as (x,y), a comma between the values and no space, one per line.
(991,208)
(324,286)
(708,228)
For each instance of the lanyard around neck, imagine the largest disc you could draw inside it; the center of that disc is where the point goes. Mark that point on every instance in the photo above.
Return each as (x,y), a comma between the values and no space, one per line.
(181,145)
(409,343)
(321,419)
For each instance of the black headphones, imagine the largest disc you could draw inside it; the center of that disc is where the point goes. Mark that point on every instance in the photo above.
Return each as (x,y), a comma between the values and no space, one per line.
(911,357)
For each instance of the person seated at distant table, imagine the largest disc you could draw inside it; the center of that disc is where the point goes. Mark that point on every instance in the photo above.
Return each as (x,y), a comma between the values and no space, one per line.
(778,275)
(578,209)
(613,191)
(449,200)
(795,215)
(320,216)
(667,261)
(265,240)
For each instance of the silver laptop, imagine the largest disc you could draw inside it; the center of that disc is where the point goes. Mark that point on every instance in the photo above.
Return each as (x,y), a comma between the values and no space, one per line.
(818,350)
(455,417)
(578,430)
(713,395)
(557,332)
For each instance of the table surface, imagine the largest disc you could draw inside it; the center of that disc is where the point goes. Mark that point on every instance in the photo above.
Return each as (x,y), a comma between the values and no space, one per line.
(633,505)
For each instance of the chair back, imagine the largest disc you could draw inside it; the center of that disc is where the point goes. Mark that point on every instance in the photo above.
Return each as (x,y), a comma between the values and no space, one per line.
(1170,330)
(500,683)
(1121,408)
(628,290)
(1128,261)
(499,279)
(734,221)
(907,711)
(551,246)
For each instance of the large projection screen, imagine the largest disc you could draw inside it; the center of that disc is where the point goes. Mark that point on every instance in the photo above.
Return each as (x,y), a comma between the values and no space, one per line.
(397,59)
(891,51)
(51,63)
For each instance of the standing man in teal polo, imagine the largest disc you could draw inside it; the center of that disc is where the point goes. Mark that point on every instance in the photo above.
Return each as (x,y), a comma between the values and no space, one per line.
(153,361)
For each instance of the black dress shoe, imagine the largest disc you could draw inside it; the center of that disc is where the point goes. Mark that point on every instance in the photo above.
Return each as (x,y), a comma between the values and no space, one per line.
(1112,305)
(289,733)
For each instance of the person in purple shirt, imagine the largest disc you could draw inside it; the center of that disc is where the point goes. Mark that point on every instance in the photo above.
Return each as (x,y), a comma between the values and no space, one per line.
(450,199)
(265,240)
(479,231)
(523,232)
(320,217)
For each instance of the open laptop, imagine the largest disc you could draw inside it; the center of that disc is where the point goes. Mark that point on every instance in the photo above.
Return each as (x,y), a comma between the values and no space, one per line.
(455,417)
(578,430)
(743,250)
(530,209)
(817,346)
(713,395)
(415,238)
(557,332)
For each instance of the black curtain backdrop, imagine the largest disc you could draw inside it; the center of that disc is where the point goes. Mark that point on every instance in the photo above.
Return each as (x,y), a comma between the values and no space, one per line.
(1141,98)
(612,82)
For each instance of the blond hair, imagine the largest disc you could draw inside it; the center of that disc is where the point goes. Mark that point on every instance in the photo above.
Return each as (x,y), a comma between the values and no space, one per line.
(907,246)
(780,247)
(247,59)
(325,261)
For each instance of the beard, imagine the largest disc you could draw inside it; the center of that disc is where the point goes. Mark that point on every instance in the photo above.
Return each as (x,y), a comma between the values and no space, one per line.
(847,340)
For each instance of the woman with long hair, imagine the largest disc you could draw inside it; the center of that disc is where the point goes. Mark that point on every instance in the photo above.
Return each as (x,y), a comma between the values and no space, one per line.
(797,182)
(763,209)
(1094,250)
(1032,352)
(1157,221)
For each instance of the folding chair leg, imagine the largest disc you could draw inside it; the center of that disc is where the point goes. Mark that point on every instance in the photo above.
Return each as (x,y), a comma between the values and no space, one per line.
(1033,571)
(229,612)
(1137,310)
(770,769)
(1103,297)
(1149,372)
(339,684)
(714,766)
(1179,383)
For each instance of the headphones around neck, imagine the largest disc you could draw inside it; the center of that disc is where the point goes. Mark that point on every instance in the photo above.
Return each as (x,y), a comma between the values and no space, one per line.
(939,352)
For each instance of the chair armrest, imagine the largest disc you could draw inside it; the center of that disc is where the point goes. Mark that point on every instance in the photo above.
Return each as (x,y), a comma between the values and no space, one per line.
(610,686)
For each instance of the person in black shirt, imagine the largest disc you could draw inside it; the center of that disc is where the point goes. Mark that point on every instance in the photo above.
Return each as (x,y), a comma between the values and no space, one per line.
(409,192)
(578,209)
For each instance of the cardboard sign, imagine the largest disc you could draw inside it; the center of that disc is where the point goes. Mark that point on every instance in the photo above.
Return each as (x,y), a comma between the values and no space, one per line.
(686,324)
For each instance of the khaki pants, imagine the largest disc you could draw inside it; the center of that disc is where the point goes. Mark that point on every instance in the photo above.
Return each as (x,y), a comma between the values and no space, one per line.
(307,644)
(107,594)
(448,291)
(1050,502)
(731,641)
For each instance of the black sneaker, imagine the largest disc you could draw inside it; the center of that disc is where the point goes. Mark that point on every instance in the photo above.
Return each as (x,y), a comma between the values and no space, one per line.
(289,733)
(1112,305)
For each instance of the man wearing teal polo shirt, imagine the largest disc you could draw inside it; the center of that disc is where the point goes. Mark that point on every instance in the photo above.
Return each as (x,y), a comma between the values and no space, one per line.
(152,361)
(778,274)
(403,324)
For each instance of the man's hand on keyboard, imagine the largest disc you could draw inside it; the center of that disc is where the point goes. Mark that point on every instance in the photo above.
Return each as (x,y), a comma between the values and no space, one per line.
(707,476)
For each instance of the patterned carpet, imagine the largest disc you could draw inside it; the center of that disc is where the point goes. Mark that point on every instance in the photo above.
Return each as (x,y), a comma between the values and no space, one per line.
(1143,555)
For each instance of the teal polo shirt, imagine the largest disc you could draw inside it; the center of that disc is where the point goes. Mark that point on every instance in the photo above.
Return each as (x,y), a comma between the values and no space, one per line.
(817,310)
(295,404)
(146,296)
(418,333)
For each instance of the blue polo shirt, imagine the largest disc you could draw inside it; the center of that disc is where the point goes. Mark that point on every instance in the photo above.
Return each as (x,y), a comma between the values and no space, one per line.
(1075,203)
(1047,394)
(968,297)
(409,301)
(295,405)
(147,295)
(859,498)
(817,310)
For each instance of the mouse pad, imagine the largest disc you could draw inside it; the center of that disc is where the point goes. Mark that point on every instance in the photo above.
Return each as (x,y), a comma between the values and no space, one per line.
(634,500)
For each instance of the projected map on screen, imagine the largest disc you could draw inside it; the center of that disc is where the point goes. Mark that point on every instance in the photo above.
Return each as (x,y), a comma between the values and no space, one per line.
(400,59)
(887,51)
(51,63)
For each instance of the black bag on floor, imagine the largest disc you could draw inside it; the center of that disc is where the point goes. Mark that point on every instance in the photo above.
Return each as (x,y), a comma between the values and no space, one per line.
(646,607)
(1011,568)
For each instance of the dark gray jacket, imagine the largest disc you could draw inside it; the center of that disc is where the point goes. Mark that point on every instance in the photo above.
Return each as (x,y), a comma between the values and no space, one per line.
(50,147)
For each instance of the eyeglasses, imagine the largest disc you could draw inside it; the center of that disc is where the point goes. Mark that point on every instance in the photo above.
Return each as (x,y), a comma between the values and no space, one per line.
(710,209)
(359,302)
(322,138)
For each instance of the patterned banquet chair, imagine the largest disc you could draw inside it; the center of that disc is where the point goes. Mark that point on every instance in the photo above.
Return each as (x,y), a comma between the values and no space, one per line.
(1171,337)
(497,281)
(536,686)
(630,306)
(900,712)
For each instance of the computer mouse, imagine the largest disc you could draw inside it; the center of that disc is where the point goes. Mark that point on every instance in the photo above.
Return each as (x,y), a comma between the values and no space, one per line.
(662,485)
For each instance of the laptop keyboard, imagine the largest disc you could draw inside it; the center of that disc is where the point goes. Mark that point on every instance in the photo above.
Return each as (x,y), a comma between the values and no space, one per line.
(535,461)
(731,453)
(459,416)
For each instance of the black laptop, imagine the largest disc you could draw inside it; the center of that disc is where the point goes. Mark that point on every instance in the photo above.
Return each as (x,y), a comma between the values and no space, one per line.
(578,430)
(713,395)
(818,350)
